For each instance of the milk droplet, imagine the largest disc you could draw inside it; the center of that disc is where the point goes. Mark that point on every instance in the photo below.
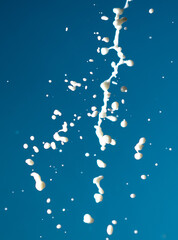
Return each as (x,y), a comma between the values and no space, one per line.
(143,177)
(109,230)
(88,219)
(104,51)
(32,138)
(101,164)
(142,140)
(29,162)
(49,211)
(105,18)
(98,197)
(151,10)
(138,155)
(114,222)
(58,226)
(123,89)
(132,195)
(48,200)
(25,146)
(96,181)
(124,123)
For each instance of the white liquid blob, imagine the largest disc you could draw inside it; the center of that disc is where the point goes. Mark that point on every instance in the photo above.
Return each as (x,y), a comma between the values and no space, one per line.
(151,10)
(96,181)
(124,123)
(143,177)
(132,195)
(109,230)
(101,164)
(29,162)
(138,155)
(88,219)
(25,146)
(98,197)
(58,226)
(49,211)
(104,51)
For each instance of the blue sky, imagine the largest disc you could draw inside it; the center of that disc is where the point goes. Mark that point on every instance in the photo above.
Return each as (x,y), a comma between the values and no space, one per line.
(35,48)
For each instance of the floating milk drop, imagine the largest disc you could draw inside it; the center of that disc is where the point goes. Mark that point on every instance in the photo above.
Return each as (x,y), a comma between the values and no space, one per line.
(105,18)
(58,226)
(138,155)
(104,51)
(129,63)
(113,142)
(96,181)
(115,106)
(112,118)
(47,145)
(132,195)
(101,164)
(98,197)
(29,162)
(25,146)
(53,145)
(151,10)
(57,112)
(143,177)
(72,124)
(87,154)
(32,138)
(114,222)
(109,230)
(142,140)
(64,139)
(53,117)
(88,219)
(49,211)
(35,149)
(48,200)
(105,85)
(135,231)
(105,39)
(124,123)
(123,89)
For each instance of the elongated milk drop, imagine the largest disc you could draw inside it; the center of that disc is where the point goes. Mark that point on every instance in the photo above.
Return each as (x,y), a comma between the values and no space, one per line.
(142,140)
(105,85)
(101,164)
(112,118)
(96,181)
(109,230)
(29,162)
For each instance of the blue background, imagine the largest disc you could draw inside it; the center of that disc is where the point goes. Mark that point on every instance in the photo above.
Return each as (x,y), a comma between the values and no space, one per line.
(35,48)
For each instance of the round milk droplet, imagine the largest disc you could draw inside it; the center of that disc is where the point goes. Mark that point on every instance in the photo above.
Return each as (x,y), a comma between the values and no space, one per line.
(49,211)
(135,231)
(104,51)
(151,10)
(124,123)
(138,156)
(132,195)
(88,219)
(25,146)
(48,200)
(58,226)
(53,117)
(143,177)
(114,222)
(109,230)
(87,154)
(32,138)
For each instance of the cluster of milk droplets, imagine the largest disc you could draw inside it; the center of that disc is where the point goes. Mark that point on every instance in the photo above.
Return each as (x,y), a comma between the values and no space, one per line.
(106,139)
